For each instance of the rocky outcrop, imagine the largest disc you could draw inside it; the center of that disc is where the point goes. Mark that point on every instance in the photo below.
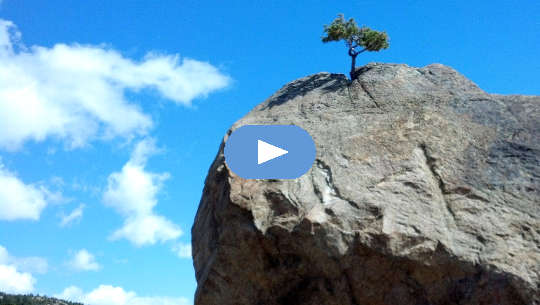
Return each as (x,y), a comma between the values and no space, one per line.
(425,190)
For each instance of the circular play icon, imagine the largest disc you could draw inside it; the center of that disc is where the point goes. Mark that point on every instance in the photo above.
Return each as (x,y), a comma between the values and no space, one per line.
(270,151)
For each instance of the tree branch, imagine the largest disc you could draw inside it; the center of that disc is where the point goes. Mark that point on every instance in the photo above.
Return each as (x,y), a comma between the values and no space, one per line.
(363,50)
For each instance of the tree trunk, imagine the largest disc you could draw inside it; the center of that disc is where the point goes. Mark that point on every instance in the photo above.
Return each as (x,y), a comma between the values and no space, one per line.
(353,55)
(353,66)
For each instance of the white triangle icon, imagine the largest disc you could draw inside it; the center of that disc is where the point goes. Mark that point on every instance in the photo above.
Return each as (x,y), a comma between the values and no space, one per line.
(267,152)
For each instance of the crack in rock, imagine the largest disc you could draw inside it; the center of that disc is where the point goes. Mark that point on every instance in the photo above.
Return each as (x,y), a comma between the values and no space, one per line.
(326,189)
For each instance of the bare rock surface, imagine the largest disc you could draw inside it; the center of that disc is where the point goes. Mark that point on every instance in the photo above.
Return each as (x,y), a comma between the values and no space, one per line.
(425,190)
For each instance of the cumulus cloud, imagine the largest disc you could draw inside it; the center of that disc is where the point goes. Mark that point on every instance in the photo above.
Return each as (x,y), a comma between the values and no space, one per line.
(75,216)
(84,261)
(13,281)
(111,295)
(132,192)
(76,93)
(15,272)
(147,230)
(182,250)
(22,201)
(31,264)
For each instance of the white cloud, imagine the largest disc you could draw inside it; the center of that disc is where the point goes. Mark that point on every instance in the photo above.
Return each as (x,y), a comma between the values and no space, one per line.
(132,192)
(84,261)
(19,200)
(111,295)
(76,92)
(75,216)
(13,281)
(147,230)
(15,276)
(31,264)
(71,293)
(182,250)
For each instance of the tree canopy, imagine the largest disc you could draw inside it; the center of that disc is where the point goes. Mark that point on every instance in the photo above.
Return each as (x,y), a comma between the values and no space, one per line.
(357,39)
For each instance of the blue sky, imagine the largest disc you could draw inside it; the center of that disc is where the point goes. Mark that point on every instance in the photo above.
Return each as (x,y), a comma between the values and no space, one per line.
(112,111)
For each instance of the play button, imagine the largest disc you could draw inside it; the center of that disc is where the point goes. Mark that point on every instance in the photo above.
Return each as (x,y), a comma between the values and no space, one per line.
(269,151)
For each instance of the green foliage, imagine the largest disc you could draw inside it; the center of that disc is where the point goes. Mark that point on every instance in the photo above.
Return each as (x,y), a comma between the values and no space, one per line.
(355,36)
(358,39)
(340,29)
(17,299)
(373,40)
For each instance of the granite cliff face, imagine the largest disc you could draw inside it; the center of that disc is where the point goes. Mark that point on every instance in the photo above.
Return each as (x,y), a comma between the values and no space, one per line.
(425,190)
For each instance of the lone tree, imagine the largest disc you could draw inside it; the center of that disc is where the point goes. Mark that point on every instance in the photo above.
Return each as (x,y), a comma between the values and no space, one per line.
(357,39)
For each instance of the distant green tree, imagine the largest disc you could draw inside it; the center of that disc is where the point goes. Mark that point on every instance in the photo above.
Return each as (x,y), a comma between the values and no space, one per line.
(358,39)
(15,299)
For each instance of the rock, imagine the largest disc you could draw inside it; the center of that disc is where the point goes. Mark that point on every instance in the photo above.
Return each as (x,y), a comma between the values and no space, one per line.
(425,190)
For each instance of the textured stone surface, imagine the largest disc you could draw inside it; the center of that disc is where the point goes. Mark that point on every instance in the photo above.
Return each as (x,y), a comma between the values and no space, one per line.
(425,190)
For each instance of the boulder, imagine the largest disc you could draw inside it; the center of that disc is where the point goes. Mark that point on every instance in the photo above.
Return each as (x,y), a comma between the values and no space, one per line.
(425,190)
